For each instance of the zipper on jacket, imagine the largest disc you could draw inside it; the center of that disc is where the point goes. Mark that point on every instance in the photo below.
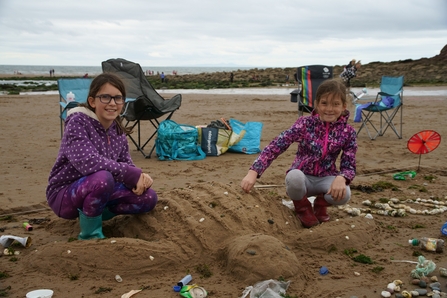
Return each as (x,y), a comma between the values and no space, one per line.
(323,155)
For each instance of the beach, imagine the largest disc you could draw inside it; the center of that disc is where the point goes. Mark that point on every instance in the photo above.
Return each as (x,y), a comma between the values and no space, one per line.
(243,238)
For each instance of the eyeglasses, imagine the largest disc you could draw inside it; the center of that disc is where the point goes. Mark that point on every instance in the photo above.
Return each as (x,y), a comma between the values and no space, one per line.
(107,98)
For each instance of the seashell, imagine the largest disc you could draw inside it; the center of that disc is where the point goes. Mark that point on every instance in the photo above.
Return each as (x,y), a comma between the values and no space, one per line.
(385,294)
(367,203)
(390,287)
(118,278)
(7,252)
(113,241)
(397,289)
(202,219)
(395,200)
(226,193)
(443,272)
(369,216)
(434,278)
(165,207)
(151,257)
(406,294)
(356,274)
(414,293)
(398,282)
(347,237)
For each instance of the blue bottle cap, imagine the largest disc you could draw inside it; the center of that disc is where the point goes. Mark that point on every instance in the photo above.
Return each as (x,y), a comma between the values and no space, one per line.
(324,270)
(444,229)
(177,288)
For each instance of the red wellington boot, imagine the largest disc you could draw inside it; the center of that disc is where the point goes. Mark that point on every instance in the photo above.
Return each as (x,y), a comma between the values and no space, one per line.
(320,208)
(304,212)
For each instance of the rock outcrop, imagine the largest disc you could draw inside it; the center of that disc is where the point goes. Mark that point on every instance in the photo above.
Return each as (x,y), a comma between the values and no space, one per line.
(424,71)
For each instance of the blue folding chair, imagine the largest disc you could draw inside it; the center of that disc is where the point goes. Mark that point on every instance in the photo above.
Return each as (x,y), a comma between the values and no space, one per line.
(389,101)
(76,87)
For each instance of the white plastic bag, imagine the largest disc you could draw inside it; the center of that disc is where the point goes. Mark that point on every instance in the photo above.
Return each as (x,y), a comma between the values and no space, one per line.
(269,289)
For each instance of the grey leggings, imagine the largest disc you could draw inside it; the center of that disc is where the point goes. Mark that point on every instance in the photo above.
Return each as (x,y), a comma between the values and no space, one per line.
(299,185)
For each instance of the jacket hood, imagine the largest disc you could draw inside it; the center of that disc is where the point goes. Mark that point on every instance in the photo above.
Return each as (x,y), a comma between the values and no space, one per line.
(82,110)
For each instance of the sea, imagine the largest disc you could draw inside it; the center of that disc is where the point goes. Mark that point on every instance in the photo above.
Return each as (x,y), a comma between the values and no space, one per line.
(44,70)
(60,71)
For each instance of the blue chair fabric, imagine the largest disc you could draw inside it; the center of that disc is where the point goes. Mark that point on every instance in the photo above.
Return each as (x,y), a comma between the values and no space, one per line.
(388,104)
(79,87)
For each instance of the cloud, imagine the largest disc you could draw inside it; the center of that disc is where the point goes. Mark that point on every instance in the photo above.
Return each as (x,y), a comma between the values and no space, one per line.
(245,32)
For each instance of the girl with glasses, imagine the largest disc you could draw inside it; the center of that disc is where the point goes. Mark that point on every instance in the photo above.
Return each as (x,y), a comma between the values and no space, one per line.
(94,177)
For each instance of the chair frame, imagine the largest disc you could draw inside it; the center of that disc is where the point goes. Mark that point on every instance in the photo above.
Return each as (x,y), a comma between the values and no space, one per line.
(386,115)
(143,101)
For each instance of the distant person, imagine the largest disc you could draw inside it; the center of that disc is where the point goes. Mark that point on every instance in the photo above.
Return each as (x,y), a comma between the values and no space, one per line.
(231,77)
(321,137)
(94,177)
(162,76)
(350,72)
(86,75)
(287,79)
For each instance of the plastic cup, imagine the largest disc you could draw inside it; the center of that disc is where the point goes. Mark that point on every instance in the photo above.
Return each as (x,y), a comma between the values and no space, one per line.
(43,293)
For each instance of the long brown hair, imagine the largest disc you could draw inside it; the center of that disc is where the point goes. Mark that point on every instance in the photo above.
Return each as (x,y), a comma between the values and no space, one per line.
(116,82)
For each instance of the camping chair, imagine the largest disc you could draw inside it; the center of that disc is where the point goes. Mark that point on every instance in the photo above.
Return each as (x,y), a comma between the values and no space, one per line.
(72,92)
(309,77)
(142,100)
(388,102)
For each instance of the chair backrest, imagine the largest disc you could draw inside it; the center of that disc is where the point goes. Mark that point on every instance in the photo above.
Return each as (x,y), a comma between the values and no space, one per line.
(78,86)
(393,86)
(144,101)
(310,77)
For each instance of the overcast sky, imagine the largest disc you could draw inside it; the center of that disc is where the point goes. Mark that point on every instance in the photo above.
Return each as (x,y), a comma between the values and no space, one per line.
(261,33)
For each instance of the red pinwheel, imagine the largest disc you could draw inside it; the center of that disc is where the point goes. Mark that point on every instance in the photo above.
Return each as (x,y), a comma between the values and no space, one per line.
(424,142)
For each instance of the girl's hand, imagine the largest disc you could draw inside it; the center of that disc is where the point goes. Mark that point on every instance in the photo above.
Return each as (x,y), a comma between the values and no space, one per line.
(249,181)
(338,188)
(144,183)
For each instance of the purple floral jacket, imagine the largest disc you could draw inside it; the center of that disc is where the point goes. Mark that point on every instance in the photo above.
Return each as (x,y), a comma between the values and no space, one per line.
(319,145)
(86,148)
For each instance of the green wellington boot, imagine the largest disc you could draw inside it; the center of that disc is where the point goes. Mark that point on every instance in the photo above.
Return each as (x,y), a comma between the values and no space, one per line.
(91,227)
(107,214)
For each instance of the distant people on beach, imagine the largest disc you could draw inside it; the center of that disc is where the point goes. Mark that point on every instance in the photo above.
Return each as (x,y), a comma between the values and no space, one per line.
(86,75)
(231,77)
(51,72)
(322,138)
(350,71)
(94,177)
(162,76)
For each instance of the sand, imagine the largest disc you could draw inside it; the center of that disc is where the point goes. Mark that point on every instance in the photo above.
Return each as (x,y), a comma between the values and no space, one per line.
(244,238)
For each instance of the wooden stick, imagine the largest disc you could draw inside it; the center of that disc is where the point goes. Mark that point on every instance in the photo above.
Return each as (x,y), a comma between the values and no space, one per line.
(268,186)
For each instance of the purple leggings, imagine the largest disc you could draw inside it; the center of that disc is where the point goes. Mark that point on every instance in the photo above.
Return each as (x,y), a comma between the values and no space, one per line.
(93,193)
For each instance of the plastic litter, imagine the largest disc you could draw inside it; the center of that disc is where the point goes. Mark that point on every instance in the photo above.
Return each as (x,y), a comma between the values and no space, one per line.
(7,240)
(324,270)
(269,289)
(43,293)
(193,291)
(444,229)
(404,175)
(423,268)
